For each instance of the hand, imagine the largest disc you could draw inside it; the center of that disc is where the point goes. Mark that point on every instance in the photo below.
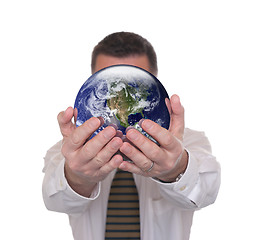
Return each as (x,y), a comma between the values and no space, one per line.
(170,158)
(88,161)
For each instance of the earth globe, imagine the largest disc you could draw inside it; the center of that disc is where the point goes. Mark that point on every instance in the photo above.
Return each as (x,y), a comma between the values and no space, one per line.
(122,95)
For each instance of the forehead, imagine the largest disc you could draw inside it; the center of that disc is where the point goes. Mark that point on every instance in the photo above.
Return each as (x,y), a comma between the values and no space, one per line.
(103,61)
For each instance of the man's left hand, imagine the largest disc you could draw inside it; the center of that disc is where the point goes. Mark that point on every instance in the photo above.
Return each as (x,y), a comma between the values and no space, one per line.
(166,161)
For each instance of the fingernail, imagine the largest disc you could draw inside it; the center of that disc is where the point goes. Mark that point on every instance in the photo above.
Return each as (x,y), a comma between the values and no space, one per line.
(129,128)
(119,134)
(124,139)
(93,122)
(122,165)
(116,144)
(141,121)
(114,126)
(101,120)
(108,132)
(148,124)
(133,135)
(118,160)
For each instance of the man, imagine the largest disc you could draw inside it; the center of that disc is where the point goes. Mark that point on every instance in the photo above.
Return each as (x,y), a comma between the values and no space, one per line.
(173,179)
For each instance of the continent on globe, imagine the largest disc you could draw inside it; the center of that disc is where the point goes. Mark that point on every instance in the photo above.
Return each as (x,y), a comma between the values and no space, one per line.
(122,95)
(127,101)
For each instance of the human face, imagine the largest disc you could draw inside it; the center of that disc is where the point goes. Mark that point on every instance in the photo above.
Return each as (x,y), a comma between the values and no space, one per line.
(103,61)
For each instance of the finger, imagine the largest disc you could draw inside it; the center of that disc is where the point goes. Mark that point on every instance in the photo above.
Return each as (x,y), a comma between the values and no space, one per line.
(150,149)
(119,134)
(97,143)
(105,154)
(167,101)
(161,135)
(131,167)
(65,121)
(177,123)
(75,115)
(114,163)
(82,133)
(138,158)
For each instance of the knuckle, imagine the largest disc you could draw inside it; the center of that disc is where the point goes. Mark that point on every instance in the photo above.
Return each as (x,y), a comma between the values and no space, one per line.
(87,152)
(155,129)
(155,153)
(65,150)
(75,138)
(145,166)
(167,140)
(73,165)
(59,117)
(98,161)
(93,123)
(115,144)
(169,165)
(70,158)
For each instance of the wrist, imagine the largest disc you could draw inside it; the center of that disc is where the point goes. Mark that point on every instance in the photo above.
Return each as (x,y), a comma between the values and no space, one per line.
(77,183)
(178,171)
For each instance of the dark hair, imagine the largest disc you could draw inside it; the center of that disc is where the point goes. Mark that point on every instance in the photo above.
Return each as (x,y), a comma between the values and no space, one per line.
(125,44)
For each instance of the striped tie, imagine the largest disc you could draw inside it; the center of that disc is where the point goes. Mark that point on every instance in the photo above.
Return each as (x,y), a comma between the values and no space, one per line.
(123,208)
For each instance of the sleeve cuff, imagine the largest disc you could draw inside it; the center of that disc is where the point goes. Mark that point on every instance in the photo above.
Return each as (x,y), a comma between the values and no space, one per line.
(187,182)
(189,179)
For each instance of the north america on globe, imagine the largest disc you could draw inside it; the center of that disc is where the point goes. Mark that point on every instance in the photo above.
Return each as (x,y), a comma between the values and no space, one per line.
(127,101)
(122,95)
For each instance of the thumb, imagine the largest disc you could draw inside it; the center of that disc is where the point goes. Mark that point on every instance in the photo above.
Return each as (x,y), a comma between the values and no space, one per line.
(177,122)
(65,121)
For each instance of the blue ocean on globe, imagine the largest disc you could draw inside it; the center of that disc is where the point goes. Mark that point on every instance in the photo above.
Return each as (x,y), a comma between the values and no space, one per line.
(122,95)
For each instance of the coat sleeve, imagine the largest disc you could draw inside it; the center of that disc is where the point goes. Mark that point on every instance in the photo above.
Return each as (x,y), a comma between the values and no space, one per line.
(57,194)
(200,184)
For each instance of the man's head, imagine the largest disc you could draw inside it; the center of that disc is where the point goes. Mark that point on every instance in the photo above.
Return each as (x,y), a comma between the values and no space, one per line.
(124,48)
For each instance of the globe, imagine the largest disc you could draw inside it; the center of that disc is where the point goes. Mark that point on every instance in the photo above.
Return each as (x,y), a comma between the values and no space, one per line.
(122,95)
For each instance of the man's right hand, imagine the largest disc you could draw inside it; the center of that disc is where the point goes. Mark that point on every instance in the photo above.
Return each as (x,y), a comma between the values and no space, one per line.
(87,161)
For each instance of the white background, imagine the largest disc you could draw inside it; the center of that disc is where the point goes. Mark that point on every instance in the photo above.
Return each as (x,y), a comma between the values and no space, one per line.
(207,54)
